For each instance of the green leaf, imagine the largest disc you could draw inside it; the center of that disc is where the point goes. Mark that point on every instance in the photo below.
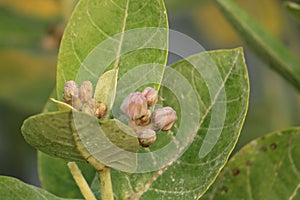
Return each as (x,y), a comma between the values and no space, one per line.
(53,133)
(56,178)
(62,106)
(101,35)
(14,189)
(293,8)
(266,168)
(106,88)
(190,176)
(264,44)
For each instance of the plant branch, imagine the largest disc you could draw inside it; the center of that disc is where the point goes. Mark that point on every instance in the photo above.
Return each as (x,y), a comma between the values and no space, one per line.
(106,185)
(81,182)
(103,171)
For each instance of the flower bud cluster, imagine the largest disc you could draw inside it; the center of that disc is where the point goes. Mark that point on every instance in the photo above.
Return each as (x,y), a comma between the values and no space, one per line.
(143,122)
(81,98)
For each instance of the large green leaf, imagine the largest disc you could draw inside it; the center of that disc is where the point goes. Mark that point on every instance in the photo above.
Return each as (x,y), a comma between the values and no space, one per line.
(13,189)
(96,39)
(191,175)
(266,168)
(269,48)
(293,8)
(56,178)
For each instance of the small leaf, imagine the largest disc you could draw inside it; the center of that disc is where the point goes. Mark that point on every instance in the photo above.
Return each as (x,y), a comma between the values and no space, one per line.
(266,168)
(14,189)
(106,88)
(293,8)
(56,178)
(52,133)
(62,106)
(268,48)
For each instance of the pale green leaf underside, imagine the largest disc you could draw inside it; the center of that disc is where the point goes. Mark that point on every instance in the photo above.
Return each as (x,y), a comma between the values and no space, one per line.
(267,168)
(269,48)
(96,21)
(293,8)
(14,189)
(189,177)
(52,133)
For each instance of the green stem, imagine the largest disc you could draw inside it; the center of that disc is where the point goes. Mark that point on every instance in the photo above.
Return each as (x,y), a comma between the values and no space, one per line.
(103,171)
(106,185)
(81,182)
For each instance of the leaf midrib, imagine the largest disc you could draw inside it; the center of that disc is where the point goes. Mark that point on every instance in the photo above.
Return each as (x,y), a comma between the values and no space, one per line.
(122,35)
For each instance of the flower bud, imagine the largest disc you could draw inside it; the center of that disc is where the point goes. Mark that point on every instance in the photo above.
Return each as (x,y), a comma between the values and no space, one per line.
(101,109)
(89,107)
(86,91)
(144,120)
(76,103)
(146,137)
(70,91)
(134,106)
(164,118)
(151,96)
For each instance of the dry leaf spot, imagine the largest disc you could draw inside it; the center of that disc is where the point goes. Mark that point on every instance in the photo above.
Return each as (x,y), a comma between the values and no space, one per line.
(236,172)
(273,146)
(224,190)
(263,148)
(249,163)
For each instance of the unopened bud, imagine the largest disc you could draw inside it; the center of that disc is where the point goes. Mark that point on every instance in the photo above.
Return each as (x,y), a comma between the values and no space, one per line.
(86,91)
(164,118)
(76,103)
(70,91)
(146,137)
(144,120)
(101,109)
(89,107)
(134,106)
(151,96)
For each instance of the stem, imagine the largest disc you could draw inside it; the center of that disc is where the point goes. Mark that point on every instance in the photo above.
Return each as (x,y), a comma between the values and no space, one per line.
(103,171)
(106,185)
(81,182)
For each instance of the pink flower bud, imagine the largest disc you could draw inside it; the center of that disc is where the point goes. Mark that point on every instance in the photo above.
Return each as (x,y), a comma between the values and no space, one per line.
(151,96)
(70,91)
(86,91)
(89,107)
(164,118)
(144,120)
(134,106)
(146,137)
(76,103)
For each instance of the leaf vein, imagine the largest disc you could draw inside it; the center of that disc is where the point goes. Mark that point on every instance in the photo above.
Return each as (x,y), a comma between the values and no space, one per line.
(95,25)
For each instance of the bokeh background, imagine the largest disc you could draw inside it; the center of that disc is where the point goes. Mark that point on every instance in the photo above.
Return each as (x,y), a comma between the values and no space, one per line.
(30,31)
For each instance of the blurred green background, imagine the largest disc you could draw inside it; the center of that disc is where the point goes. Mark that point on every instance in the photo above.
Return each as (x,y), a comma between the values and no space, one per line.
(30,31)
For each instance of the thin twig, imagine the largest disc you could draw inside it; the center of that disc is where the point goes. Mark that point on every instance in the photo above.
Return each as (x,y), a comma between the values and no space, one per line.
(81,182)
(106,185)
